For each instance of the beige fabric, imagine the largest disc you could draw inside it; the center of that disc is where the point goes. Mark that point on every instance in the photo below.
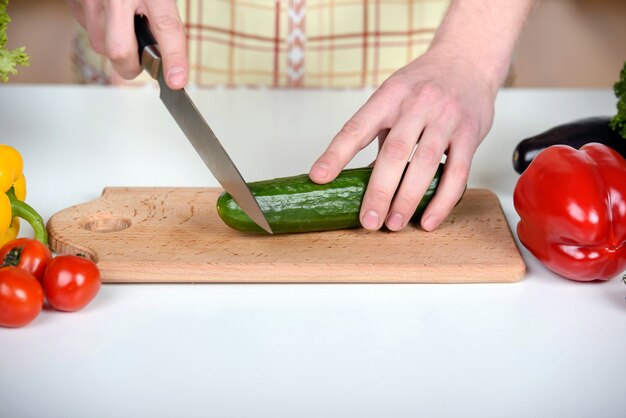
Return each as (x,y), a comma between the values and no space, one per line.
(293,43)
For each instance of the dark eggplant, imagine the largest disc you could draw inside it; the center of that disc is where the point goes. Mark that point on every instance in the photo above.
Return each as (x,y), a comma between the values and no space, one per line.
(575,134)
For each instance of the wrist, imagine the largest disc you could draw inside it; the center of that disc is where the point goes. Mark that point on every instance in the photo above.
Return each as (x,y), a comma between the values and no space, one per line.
(482,34)
(491,69)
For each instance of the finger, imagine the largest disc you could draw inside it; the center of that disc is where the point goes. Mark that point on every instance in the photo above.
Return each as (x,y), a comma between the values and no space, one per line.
(390,165)
(355,135)
(453,181)
(169,33)
(120,41)
(419,174)
(94,23)
(77,11)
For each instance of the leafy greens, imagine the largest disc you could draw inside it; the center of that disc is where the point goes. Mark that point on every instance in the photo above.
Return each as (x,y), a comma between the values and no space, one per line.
(8,59)
(618,122)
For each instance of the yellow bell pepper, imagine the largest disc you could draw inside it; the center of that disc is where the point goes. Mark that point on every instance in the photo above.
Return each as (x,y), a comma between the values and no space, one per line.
(12,195)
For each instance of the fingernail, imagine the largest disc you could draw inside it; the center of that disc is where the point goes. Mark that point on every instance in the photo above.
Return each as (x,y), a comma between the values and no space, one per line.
(176,76)
(371,220)
(429,223)
(320,171)
(395,221)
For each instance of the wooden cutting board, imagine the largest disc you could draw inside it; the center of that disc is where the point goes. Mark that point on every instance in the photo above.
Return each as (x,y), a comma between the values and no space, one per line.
(175,235)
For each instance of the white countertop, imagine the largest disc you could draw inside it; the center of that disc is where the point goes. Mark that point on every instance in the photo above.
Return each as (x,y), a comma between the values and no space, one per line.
(543,347)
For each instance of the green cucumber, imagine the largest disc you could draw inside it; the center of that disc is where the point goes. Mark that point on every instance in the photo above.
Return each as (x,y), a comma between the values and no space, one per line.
(297,204)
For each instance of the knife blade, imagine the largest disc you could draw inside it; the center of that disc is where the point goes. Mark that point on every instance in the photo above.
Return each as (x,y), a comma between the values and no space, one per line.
(196,129)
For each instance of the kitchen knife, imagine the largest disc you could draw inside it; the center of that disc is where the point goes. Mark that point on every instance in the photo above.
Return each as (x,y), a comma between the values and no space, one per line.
(196,129)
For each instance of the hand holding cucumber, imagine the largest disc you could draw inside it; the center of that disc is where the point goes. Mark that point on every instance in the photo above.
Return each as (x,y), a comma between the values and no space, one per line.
(448,111)
(441,103)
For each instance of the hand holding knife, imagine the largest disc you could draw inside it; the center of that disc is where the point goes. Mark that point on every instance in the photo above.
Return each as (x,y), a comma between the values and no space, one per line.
(195,127)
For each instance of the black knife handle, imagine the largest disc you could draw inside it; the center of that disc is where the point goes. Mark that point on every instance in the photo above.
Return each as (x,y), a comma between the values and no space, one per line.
(143,34)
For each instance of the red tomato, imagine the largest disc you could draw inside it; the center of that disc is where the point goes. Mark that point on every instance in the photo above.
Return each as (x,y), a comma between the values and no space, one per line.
(21,297)
(71,282)
(31,255)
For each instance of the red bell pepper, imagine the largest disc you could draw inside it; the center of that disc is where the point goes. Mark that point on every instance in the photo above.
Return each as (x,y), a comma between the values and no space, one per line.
(572,208)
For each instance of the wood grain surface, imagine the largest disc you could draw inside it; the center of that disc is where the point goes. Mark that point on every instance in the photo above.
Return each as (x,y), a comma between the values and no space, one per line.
(175,235)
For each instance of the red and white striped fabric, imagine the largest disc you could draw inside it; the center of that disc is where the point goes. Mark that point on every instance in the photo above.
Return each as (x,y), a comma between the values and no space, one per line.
(297,43)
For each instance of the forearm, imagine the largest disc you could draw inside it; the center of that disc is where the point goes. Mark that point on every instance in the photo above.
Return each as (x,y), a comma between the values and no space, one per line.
(484,33)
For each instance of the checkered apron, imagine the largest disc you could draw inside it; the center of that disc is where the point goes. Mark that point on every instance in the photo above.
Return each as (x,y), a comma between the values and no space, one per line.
(292,43)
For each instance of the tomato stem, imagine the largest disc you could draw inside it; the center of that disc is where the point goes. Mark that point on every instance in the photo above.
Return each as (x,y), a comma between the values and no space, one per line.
(25,211)
(13,257)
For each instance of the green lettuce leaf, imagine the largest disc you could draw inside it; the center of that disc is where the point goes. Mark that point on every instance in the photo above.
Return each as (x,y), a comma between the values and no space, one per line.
(9,60)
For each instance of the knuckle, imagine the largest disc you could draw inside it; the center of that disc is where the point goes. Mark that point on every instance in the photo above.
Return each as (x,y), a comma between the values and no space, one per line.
(469,131)
(352,128)
(431,92)
(173,58)
(379,194)
(168,23)
(446,108)
(451,118)
(396,149)
(428,155)
(412,104)
(469,126)
(406,202)
(459,171)
(452,107)
(117,52)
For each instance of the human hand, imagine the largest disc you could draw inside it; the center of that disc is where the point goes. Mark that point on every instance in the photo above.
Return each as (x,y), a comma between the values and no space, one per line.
(111,31)
(443,103)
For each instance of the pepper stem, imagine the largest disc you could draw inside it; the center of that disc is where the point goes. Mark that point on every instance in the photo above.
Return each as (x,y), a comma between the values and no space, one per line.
(25,211)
